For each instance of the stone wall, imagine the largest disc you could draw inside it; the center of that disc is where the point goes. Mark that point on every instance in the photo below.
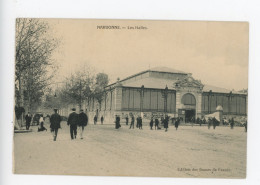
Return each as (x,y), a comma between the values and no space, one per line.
(198,97)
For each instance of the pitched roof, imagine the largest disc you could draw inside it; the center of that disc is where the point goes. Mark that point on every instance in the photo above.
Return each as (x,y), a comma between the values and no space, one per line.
(155,83)
(154,69)
(166,70)
(218,89)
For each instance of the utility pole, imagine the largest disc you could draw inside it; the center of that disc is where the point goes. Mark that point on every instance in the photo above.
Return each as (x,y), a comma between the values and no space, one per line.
(209,101)
(141,98)
(165,96)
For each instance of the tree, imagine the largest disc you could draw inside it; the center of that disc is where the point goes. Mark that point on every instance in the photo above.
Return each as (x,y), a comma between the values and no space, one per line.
(101,82)
(79,86)
(84,85)
(33,62)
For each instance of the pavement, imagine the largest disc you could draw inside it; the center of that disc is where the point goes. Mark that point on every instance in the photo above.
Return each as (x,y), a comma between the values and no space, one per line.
(106,151)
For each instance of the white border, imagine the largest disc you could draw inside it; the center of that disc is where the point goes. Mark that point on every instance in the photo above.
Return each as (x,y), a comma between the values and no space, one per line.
(218,10)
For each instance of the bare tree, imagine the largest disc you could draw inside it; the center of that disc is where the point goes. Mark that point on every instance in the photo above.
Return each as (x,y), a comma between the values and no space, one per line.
(101,82)
(79,86)
(33,62)
(83,85)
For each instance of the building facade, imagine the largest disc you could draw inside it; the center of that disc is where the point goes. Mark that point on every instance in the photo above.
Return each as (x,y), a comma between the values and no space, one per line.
(160,91)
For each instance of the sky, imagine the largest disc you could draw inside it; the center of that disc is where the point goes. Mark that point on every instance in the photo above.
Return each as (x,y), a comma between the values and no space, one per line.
(214,52)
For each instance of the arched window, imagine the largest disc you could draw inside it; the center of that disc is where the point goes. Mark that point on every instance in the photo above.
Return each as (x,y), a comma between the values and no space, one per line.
(188,99)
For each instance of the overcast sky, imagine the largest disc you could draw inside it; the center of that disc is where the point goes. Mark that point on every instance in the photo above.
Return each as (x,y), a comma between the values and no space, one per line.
(214,52)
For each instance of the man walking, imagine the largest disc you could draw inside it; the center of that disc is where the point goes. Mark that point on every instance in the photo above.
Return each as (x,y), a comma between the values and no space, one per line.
(232,123)
(102,120)
(156,123)
(73,121)
(151,123)
(126,120)
(177,123)
(132,122)
(28,119)
(55,123)
(137,122)
(83,121)
(140,125)
(95,119)
(117,122)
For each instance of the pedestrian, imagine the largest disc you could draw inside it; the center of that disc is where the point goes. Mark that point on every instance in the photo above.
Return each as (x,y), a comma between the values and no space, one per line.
(245,125)
(166,122)
(73,121)
(102,119)
(204,121)
(95,119)
(200,121)
(156,123)
(132,122)
(117,122)
(55,124)
(137,122)
(41,128)
(232,123)
(140,122)
(162,121)
(126,120)
(177,123)
(209,123)
(83,121)
(214,122)
(151,123)
(28,119)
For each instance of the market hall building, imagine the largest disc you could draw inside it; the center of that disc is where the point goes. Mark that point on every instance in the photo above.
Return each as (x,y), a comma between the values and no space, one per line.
(162,90)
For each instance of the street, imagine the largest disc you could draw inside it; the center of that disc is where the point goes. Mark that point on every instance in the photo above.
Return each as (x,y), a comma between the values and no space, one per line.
(105,151)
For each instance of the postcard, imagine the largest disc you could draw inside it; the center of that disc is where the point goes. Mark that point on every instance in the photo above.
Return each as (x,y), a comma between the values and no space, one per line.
(136,98)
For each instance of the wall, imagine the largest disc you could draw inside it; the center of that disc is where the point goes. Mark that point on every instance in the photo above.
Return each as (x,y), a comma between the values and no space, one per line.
(234,105)
(198,97)
(152,100)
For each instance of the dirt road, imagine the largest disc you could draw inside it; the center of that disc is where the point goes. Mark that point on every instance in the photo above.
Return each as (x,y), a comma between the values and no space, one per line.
(105,151)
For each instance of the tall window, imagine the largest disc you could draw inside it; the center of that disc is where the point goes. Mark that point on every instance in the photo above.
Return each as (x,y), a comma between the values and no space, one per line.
(188,99)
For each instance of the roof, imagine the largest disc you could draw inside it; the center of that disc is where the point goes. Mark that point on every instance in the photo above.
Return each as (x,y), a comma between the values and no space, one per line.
(218,89)
(166,70)
(154,83)
(154,69)
(159,83)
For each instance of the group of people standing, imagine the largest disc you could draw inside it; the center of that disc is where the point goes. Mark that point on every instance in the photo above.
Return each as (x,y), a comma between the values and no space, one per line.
(153,122)
(28,120)
(75,121)
(79,121)
(139,122)
(96,119)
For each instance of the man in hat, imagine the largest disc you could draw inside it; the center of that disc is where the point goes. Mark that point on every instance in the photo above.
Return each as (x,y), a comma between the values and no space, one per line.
(132,125)
(102,120)
(73,121)
(156,121)
(55,123)
(28,119)
(117,126)
(166,123)
(126,120)
(140,123)
(95,119)
(83,121)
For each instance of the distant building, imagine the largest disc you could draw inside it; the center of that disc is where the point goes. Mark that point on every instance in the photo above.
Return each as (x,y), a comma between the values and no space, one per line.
(162,90)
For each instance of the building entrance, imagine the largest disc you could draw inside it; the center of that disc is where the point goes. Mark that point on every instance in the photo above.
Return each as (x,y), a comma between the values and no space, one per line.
(190,115)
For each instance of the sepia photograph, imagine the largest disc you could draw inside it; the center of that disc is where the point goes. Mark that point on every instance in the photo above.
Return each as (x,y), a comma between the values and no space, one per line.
(135,98)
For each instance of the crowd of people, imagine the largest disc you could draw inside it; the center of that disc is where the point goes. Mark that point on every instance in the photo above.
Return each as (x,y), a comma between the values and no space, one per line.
(79,121)
(154,122)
